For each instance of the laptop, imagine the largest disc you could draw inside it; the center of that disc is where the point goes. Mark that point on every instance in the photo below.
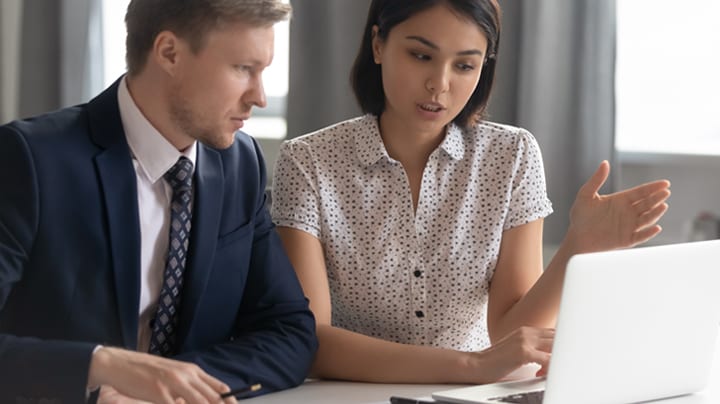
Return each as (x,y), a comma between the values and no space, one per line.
(634,325)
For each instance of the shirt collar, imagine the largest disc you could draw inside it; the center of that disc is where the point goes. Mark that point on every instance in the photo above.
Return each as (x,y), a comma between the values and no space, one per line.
(454,142)
(368,143)
(154,154)
(371,149)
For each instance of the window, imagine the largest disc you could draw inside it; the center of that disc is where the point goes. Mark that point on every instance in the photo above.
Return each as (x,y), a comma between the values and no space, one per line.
(667,77)
(266,122)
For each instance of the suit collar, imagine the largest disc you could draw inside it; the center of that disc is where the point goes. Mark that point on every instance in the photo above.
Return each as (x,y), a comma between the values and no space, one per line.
(106,128)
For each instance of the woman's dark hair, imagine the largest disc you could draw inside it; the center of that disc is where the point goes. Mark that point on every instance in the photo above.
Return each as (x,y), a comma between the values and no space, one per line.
(366,77)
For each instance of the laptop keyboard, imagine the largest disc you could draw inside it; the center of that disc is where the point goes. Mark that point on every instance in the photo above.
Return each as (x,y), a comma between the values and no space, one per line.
(532,397)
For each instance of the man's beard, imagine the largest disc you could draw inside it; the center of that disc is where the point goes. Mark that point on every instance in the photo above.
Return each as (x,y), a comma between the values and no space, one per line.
(190,124)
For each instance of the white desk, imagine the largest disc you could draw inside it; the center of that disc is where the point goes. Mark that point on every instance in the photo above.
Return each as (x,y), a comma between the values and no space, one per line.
(331,392)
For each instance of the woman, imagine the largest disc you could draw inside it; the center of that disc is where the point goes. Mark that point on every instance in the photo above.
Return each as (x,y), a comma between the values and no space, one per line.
(416,230)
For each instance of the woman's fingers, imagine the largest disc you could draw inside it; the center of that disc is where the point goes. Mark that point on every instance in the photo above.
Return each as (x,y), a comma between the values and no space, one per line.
(651,201)
(644,190)
(651,216)
(596,181)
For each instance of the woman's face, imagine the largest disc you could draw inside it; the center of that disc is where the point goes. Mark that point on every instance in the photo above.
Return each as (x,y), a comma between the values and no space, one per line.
(430,64)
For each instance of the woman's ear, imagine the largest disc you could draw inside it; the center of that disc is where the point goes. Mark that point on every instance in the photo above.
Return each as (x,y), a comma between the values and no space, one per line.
(377,44)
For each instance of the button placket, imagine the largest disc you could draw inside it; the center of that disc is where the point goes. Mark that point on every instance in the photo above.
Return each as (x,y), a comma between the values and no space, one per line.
(418,273)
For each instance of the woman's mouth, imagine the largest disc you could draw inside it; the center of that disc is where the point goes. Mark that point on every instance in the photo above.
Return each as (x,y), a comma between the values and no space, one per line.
(431,107)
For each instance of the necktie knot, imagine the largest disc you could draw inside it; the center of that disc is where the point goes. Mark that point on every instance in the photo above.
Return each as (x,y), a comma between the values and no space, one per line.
(179,176)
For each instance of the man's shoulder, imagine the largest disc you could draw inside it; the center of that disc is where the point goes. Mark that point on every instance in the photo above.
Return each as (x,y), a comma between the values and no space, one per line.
(51,136)
(99,114)
(49,123)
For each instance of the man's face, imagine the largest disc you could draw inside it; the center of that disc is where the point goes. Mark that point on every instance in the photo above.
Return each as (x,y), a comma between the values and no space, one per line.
(215,89)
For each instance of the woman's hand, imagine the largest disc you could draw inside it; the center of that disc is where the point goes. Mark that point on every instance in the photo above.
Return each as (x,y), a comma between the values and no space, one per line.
(619,220)
(520,347)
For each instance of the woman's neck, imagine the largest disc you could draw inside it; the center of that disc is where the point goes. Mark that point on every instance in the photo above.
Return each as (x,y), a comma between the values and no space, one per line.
(409,145)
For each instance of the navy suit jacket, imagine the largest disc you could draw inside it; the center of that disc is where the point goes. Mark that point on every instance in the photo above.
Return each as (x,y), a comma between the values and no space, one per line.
(70,261)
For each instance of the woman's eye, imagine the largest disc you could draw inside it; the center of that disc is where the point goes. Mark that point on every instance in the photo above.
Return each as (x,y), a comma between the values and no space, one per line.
(465,67)
(420,56)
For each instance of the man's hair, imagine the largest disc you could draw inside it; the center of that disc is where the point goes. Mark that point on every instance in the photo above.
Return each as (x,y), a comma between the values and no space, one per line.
(191,20)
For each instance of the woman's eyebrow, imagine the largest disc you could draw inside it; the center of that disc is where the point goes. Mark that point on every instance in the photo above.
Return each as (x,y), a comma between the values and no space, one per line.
(430,44)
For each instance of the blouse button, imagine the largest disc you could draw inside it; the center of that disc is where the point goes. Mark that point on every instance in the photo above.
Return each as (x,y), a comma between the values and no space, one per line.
(419,314)
(417,273)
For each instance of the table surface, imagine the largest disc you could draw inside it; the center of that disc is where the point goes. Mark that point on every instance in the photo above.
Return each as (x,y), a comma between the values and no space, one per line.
(337,392)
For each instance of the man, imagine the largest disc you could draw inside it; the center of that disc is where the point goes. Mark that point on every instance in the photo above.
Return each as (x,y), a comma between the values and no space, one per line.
(101,291)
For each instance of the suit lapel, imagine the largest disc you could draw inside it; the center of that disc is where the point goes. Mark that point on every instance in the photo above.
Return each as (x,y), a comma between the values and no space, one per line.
(117,179)
(204,234)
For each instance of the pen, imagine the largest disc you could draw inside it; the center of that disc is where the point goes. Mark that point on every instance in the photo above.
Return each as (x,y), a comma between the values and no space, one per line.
(403,400)
(246,389)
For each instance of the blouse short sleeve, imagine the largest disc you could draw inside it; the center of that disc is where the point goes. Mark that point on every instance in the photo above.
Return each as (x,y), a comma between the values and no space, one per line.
(528,199)
(295,196)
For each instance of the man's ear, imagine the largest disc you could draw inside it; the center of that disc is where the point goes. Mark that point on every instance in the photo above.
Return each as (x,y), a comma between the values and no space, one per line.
(377,45)
(166,51)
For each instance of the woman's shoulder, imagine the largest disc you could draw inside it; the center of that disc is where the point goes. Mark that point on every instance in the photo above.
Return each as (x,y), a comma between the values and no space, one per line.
(496,129)
(493,133)
(336,134)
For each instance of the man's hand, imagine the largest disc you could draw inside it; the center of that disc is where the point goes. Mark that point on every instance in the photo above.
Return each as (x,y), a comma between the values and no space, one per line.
(109,395)
(619,220)
(134,377)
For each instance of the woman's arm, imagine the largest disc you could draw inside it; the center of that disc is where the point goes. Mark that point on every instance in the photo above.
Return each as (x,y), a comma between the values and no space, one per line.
(352,356)
(521,294)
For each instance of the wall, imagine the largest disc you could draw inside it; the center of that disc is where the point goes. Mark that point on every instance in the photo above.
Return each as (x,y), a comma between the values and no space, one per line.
(695,188)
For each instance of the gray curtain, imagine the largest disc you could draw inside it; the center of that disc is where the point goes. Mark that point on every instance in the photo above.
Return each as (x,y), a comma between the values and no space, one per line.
(10,15)
(54,58)
(81,50)
(555,77)
(324,38)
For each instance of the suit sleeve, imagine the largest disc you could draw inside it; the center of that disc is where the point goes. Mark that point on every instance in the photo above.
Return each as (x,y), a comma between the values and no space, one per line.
(274,342)
(30,369)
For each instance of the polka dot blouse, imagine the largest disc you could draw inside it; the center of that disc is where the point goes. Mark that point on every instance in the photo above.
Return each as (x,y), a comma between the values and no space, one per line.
(410,277)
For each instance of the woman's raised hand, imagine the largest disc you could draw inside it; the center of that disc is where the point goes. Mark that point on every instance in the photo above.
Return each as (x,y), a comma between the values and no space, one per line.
(618,220)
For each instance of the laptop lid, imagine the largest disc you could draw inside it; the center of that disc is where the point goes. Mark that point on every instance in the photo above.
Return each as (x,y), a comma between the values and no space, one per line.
(634,325)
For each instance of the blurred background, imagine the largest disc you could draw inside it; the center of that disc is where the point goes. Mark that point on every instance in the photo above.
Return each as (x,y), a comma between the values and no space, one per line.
(636,82)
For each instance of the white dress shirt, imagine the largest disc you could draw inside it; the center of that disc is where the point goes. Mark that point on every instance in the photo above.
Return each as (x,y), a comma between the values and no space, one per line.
(152,156)
(415,277)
